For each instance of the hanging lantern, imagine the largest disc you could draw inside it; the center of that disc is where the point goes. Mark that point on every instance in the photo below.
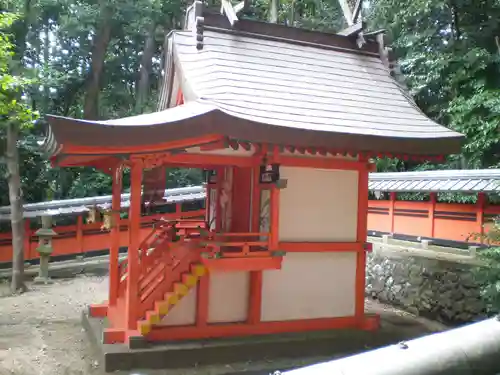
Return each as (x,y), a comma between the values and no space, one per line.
(210,176)
(92,215)
(108,220)
(269,173)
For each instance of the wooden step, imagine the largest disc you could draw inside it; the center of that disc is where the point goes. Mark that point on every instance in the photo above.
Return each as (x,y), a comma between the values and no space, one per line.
(144,327)
(189,279)
(171,298)
(153,317)
(181,289)
(162,307)
(198,269)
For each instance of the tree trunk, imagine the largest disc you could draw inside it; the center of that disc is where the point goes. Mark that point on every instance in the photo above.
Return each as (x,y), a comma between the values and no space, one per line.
(145,70)
(292,13)
(46,55)
(100,45)
(16,209)
(274,6)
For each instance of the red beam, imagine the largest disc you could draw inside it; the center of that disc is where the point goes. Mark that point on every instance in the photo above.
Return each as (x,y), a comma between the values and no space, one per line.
(154,147)
(215,160)
(262,328)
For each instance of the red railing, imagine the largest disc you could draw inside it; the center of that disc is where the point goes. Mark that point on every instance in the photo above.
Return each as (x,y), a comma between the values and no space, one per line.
(162,260)
(236,244)
(84,238)
(150,251)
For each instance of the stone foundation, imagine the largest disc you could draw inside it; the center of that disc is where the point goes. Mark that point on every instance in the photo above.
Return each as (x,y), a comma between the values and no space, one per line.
(442,290)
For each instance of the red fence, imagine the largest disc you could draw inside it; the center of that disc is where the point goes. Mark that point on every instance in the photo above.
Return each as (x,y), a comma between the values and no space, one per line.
(446,221)
(83,238)
(453,222)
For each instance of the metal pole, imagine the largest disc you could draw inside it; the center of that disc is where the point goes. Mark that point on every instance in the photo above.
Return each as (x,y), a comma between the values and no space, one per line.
(470,350)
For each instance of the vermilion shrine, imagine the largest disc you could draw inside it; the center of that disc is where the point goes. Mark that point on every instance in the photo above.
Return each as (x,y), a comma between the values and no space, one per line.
(275,116)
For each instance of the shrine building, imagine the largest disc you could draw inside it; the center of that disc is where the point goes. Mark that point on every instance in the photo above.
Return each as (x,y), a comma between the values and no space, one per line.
(276,116)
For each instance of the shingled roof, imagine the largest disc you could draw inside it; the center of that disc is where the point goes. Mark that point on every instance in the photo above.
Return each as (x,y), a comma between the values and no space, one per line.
(268,83)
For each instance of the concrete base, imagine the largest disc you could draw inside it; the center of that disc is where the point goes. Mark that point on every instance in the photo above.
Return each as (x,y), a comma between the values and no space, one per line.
(257,348)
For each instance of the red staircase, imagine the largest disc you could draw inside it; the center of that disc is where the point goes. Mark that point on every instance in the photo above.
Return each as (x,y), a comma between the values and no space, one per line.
(169,269)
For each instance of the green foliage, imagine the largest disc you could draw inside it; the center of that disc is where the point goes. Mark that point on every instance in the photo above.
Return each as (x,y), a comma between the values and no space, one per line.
(322,15)
(55,73)
(489,275)
(12,107)
(449,53)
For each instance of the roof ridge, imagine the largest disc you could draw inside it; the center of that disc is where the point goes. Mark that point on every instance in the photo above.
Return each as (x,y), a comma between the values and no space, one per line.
(288,34)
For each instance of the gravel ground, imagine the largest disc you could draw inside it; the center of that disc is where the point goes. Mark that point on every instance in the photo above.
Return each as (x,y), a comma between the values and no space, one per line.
(40,331)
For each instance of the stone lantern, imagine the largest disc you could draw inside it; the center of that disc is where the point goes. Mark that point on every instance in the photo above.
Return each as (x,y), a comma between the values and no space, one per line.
(44,234)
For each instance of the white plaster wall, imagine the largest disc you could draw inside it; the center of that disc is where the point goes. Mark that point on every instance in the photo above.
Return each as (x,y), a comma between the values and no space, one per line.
(175,85)
(183,313)
(228,297)
(318,205)
(310,286)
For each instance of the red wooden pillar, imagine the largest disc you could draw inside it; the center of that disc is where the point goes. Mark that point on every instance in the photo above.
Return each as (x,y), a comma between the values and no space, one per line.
(275,210)
(432,210)
(480,204)
(255,201)
(392,203)
(241,199)
(202,301)
(218,209)
(132,298)
(274,218)
(114,248)
(255,294)
(361,236)
(203,286)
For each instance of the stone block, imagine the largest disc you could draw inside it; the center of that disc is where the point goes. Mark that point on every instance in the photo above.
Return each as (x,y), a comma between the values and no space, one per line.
(473,251)
(425,243)
(386,238)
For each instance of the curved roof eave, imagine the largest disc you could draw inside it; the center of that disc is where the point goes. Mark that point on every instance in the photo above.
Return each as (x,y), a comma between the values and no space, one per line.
(126,133)
(196,119)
